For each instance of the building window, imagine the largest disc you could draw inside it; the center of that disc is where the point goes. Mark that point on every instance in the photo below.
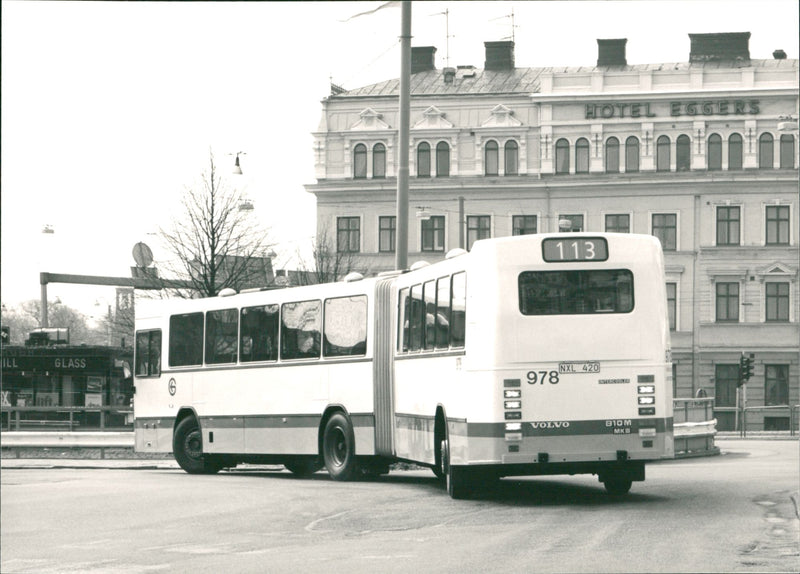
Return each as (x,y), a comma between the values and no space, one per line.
(777,225)
(714,152)
(728,221)
(511,158)
(618,223)
(575,223)
(523,225)
(665,227)
(562,156)
(726,379)
(776,385)
(735,151)
(787,151)
(348,234)
(442,159)
(662,154)
(777,301)
(672,304)
(360,161)
(424,160)
(683,152)
(612,155)
(379,160)
(632,155)
(492,158)
(433,234)
(766,150)
(386,233)
(478,227)
(582,156)
(727,302)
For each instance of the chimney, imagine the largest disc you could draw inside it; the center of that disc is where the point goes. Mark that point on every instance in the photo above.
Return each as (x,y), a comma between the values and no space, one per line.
(499,55)
(779,55)
(611,52)
(423,59)
(717,47)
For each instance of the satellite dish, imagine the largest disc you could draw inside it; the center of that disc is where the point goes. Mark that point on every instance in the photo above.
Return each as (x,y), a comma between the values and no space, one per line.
(142,254)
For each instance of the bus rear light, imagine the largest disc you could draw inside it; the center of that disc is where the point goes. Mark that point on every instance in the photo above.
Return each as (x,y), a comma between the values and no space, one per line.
(513,415)
(513,404)
(512,394)
(647,410)
(647,389)
(513,427)
(647,400)
(647,432)
(512,436)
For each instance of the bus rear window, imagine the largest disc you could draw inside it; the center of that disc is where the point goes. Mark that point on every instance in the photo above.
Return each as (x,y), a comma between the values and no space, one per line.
(579,292)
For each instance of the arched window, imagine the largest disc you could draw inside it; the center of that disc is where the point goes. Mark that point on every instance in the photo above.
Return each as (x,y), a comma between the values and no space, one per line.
(735,151)
(787,151)
(511,157)
(582,156)
(612,155)
(766,150)
(662,154)
(714,152)
(683,153)
(492,160)
(562,156)
(442,159)
(379,160)
(424,160)
(632,155)
(360,161)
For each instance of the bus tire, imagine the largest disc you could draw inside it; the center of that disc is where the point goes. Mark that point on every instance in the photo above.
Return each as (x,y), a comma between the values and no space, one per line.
(617,485)
(187,446)
(304,466)
(339,448)
(456,478)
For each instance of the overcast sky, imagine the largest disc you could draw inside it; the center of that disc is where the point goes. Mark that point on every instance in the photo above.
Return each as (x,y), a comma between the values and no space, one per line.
(109,109)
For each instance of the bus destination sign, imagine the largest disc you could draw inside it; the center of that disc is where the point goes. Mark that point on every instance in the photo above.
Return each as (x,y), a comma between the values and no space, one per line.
(556,250)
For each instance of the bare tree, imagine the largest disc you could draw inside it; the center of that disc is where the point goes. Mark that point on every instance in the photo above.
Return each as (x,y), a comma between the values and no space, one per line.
(26,317)
(216,241)
(330,262)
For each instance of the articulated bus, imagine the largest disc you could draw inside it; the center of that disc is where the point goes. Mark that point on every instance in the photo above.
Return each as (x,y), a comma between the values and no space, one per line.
(530,355)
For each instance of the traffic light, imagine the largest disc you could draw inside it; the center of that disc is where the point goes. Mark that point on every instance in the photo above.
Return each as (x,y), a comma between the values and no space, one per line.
(745,367)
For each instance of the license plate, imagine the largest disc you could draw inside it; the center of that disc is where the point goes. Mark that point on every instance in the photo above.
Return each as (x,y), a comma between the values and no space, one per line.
(579,367)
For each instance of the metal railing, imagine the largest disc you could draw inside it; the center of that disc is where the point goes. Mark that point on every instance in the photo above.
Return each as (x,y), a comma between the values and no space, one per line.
(39,418)
(794,410)
(694,427)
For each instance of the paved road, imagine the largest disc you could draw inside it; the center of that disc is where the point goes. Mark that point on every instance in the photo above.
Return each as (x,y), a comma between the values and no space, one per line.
(728,513)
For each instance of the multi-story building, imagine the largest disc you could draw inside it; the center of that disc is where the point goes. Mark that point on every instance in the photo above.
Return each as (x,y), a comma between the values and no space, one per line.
(691,152)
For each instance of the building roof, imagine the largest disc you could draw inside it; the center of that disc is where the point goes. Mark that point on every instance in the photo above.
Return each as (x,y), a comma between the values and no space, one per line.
(471,80)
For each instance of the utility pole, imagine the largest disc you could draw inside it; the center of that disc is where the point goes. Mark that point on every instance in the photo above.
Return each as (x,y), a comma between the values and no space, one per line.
(401,251)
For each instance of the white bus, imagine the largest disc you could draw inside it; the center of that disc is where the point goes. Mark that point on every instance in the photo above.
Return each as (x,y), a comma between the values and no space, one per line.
(530,355)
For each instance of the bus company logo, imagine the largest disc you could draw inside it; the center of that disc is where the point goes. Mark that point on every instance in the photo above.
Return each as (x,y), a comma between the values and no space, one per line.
(172,387)
(550,425)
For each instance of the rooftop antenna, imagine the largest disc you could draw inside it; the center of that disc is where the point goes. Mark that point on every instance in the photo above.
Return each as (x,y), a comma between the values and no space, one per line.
(513,25)
(447,35)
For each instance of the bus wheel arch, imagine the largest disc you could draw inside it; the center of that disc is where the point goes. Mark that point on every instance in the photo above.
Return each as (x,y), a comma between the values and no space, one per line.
(338,444)
(187,445)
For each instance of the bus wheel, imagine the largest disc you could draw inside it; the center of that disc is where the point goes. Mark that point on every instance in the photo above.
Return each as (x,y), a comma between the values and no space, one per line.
(339,448)
(617,486)
(187,445)
(304,466)
(456,478)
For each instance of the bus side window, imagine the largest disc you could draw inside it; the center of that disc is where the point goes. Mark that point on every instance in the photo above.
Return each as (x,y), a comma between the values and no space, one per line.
(458,313)
(442,312)
(403,324)
(300,335)
(429,313)
(148,353)
(222,328)
(416,317)
(345,326)
(259,338)
(186,340)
